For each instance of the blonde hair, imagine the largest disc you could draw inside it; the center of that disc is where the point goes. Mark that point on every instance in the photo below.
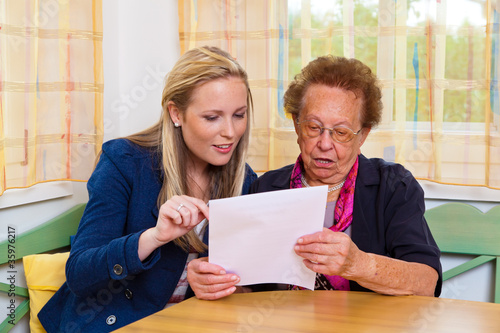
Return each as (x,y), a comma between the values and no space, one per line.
(195,67)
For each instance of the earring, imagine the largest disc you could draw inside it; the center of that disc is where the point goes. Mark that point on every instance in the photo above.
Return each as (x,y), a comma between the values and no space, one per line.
(176,124)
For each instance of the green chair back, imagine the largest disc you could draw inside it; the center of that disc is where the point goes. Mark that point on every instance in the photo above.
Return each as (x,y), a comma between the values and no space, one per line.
(51,235)
(460,228)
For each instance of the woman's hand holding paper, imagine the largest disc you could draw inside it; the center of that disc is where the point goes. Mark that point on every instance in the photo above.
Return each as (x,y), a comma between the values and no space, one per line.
(210,281)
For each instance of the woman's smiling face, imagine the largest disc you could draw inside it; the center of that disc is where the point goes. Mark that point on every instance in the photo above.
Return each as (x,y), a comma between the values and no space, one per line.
(325,160)
(215,121)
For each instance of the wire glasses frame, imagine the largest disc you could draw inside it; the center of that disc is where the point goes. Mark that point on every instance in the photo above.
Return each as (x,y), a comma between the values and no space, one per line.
(313,129)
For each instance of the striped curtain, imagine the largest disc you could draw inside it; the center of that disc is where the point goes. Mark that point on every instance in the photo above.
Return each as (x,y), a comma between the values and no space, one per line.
(255,33)
(51,90)
(437,62)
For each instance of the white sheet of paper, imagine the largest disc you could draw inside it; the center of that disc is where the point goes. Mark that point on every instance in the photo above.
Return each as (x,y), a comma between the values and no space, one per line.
(253,235)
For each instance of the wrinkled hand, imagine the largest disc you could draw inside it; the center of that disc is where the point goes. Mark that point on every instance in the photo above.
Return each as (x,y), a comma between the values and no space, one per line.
(210,281)
(328,252)
(177,216)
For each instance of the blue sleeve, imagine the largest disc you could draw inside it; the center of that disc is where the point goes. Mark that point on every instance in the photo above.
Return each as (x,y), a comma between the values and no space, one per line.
(408,236)
(102,251)
(388,216)
(250,177)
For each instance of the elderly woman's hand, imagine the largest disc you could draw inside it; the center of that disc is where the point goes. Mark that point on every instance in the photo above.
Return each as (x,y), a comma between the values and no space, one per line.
(210,281)
(334,253)
(329,252)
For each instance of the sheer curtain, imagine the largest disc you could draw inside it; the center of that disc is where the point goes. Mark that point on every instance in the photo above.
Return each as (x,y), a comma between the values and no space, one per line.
(437,62)
(254,32)
(51,90)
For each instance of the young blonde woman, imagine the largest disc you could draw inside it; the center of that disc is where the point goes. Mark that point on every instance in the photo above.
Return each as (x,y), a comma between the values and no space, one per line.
(148,199)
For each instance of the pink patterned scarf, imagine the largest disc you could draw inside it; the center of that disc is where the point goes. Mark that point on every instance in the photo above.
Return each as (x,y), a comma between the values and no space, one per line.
(343,210)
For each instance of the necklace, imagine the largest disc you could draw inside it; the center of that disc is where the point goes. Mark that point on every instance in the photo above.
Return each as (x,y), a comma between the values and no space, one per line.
(336,187)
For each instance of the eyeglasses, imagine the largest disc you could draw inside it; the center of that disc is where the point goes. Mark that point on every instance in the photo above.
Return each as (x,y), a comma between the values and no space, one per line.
(313,129)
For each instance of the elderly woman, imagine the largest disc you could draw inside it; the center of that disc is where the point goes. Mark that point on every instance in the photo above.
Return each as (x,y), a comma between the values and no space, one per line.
(375,236)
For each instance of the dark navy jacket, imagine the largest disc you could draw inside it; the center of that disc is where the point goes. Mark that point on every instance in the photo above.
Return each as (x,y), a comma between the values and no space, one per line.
(388,215)
(107,285)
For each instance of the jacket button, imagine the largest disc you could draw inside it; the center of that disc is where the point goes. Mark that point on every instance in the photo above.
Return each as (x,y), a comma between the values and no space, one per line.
(128,294)
(118,269)
(111,320)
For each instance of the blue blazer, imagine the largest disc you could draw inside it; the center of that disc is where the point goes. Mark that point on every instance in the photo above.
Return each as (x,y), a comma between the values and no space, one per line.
(107,285)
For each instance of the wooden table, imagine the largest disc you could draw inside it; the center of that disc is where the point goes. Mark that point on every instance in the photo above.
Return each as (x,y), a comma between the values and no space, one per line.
(323,311)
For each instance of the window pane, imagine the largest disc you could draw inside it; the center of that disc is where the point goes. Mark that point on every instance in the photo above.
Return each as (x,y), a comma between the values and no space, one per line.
(464,58)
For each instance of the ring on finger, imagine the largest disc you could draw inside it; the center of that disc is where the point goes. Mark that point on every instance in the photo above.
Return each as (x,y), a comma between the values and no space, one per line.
(180,206)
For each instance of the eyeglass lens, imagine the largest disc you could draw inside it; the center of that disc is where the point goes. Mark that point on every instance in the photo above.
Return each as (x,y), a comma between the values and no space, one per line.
(338,133)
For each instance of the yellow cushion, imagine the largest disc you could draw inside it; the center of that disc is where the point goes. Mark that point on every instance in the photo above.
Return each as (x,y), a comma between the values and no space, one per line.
(44,275)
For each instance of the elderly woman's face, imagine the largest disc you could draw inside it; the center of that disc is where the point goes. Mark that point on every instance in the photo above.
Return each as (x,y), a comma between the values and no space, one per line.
(327,161)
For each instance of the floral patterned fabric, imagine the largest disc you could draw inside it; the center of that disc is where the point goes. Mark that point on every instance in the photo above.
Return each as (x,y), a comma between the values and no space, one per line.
(342,216)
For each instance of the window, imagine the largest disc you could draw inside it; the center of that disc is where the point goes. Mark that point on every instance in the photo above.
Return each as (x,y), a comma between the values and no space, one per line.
(437,62)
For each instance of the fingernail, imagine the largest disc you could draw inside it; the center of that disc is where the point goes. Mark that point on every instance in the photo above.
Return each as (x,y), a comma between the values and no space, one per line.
(222,272)
(296,247)
(234,278)
(300,240)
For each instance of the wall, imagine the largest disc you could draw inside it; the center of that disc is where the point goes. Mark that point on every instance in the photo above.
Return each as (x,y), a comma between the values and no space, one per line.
(140,46)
